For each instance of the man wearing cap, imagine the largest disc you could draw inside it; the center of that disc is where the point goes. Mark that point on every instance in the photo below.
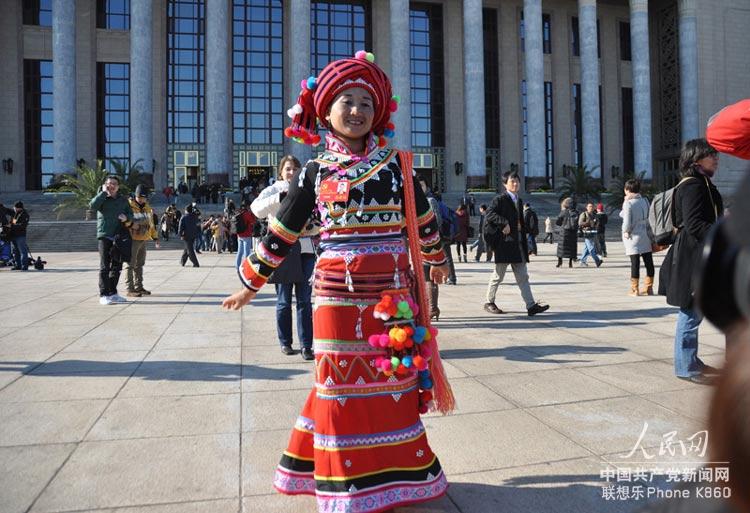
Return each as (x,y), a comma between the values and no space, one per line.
(142,230)
(18,224)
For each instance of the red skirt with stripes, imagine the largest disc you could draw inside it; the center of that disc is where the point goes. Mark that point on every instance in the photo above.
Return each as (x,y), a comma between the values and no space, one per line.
(358,445)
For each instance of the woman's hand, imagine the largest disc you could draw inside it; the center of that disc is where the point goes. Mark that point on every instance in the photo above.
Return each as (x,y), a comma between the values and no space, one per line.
(238,299)
(439,273)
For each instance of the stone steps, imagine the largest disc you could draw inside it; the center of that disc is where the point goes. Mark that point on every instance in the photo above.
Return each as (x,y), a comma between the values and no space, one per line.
(58,236)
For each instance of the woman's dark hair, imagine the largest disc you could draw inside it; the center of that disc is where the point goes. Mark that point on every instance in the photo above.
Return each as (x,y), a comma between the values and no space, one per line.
(461,207)
(693,151)
(633,186)
(113,177)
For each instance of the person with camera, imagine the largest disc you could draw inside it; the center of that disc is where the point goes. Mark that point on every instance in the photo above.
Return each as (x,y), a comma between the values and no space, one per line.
(697,206)
(589,225)
(18,223)
(142,230)
(505,231)
(113,213)
(721,287)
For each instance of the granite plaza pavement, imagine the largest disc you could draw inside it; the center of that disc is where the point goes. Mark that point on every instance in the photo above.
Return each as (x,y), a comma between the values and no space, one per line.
(169,404)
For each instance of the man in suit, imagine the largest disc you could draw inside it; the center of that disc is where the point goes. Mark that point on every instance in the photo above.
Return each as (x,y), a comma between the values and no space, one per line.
(506,233)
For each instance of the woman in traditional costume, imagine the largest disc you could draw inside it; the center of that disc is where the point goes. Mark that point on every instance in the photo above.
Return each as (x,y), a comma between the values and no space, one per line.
(359,445)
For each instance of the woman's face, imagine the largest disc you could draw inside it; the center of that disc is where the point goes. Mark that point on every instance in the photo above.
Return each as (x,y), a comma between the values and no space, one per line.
(710,163)
(287,172)
(351,114)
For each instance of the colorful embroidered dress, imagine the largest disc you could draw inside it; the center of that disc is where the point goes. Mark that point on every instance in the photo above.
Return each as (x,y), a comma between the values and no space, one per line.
(358,444)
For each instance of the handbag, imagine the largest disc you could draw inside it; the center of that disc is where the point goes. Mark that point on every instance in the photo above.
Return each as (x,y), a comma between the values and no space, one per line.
(123,244)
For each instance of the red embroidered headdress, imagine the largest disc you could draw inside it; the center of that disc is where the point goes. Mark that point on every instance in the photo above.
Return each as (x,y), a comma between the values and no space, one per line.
(317,94)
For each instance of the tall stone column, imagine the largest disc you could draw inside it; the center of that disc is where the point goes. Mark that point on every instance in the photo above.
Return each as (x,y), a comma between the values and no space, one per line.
(590,119)
(688,29)
(141,83)
(534,60)
(475,166)
(641,86)
(64,85)
(300,63)
(401,71)
(218,93)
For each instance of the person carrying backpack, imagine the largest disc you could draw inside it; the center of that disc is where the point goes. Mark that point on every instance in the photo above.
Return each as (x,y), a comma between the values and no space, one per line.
(244,220)
(697,207)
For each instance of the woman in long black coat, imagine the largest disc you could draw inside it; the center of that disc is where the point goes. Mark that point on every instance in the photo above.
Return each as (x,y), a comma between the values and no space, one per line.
(568,223)
(697,206)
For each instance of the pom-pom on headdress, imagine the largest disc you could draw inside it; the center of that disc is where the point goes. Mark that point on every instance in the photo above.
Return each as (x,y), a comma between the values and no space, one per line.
(318,93)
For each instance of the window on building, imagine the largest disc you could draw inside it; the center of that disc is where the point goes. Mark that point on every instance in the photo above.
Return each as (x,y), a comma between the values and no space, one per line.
(37,12)
(113,111)
(628,132)
(38,155)
(427,81)
(257,80)
(546,33)
(491,79)
(577,126)
(113,14)
(338,30)
(549,148)
(625,41)
(575,37)
(185,71)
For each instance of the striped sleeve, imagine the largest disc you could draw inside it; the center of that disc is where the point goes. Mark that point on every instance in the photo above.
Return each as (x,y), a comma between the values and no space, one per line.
(283,231)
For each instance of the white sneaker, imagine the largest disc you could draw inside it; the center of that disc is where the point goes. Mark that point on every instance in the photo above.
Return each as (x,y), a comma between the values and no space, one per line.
(105,300)
(583,264)
(117,298)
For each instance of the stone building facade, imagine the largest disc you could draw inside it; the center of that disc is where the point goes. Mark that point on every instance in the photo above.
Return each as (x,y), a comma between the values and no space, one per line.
(486,85)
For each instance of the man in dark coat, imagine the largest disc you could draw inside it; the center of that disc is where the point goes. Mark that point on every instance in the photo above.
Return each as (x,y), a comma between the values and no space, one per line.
(505,231)
(188,231)
(697,207)
(19,222)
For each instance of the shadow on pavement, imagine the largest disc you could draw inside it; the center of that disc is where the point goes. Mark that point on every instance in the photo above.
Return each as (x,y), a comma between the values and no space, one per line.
(534,354)
(152,370)
(541,494)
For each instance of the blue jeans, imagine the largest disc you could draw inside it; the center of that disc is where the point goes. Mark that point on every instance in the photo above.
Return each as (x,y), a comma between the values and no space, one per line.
(244,248)
(531,240)
(589,248)
(686,361)
(20,252)
(303,290)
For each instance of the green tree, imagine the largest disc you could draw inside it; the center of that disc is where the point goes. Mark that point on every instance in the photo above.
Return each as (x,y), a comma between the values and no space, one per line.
(580,185)
(87,183)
